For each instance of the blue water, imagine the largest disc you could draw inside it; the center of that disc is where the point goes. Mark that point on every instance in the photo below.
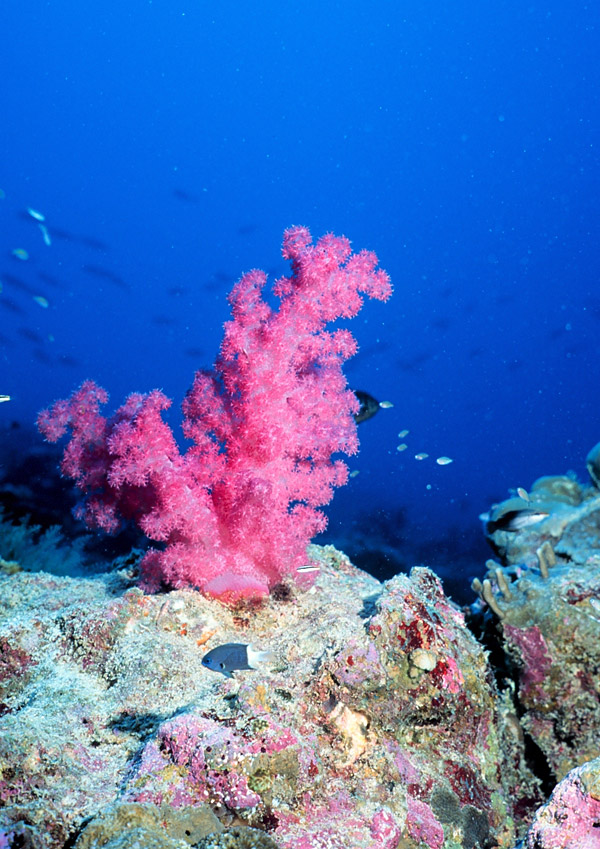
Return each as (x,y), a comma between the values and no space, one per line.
(169,144)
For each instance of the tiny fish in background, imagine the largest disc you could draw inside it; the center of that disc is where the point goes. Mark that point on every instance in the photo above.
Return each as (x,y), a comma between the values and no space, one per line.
(4,398)
(35,214)
(444,461)
(230,657)
(421,456)
(45,235)
(523,494)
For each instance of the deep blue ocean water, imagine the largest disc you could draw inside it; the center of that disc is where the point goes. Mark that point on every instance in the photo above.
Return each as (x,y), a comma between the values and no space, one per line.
(169,144)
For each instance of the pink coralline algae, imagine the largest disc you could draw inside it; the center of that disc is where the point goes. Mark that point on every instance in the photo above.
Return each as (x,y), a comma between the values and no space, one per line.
(205,757)
(236,510)
(571,817)
(423,826)
(196,760)
(385,831)
(535,657)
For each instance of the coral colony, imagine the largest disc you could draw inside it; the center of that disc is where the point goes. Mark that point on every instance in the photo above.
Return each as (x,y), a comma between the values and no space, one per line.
(381,722)
(236,510)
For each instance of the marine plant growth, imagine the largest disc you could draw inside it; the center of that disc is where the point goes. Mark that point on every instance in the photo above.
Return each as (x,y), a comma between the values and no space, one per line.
(235,511)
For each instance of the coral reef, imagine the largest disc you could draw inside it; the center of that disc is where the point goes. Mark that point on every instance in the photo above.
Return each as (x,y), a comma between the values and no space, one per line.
(149,826)
(545,595)
(379,725)
(237,509)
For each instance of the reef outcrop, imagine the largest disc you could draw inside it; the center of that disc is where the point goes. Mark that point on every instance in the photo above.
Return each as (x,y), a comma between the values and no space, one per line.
(378,725)
(387,717)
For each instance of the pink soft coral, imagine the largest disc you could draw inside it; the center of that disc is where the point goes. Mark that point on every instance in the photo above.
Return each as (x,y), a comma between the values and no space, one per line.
(237,509)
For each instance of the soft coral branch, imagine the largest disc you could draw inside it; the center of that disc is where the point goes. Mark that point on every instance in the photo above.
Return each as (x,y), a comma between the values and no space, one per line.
(238,508)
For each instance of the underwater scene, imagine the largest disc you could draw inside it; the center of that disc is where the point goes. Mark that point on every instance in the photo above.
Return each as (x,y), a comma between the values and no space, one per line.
(300,455)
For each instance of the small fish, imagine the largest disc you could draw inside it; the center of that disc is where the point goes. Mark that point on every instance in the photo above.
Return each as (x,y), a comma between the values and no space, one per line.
(421,456)
(42,301)
(368,406)
(354,473)
(35,214)
(522,493)
(443,461)
(516,520)
(310,567)
(403,433)
(187,197)
(230,657)
(104,274)
(402,447)
(45,235)
(4,398)
(30,335)
(20,253)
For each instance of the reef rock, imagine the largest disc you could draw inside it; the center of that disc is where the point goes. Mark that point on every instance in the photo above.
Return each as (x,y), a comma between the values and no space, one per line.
(379,725)
(571,818)
(545,597)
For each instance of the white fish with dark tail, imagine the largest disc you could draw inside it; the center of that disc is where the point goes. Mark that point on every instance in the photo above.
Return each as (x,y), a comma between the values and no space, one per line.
(515,520)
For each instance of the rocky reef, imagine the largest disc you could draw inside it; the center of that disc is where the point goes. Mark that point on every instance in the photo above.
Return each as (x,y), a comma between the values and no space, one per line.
(544,594)
(388,718)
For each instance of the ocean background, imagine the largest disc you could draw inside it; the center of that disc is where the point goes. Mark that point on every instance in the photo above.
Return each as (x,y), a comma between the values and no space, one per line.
(169,144)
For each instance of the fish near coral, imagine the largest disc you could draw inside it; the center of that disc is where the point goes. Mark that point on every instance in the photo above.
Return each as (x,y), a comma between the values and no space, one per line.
(231,657)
